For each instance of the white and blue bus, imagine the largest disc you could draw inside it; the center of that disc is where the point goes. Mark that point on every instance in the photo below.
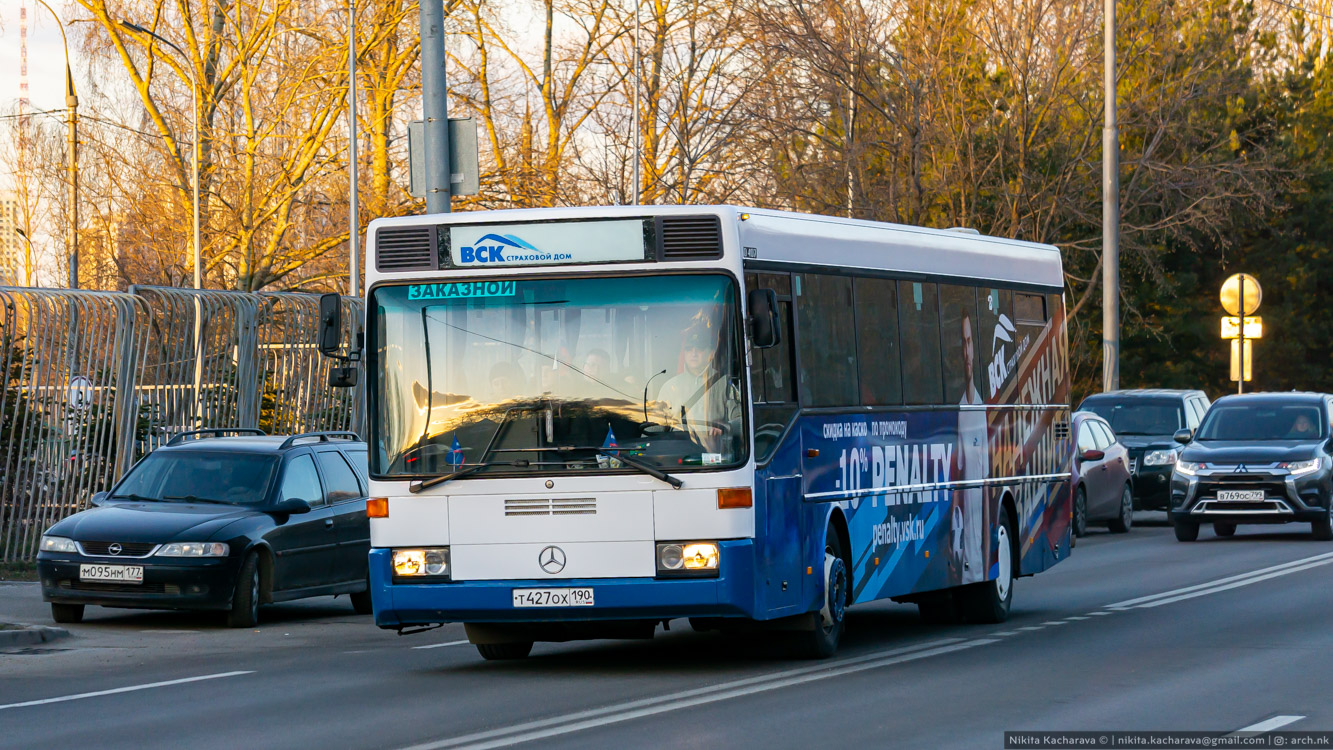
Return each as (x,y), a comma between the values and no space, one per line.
(585,422)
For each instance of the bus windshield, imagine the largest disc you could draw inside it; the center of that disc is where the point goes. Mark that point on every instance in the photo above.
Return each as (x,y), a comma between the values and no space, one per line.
(556,375)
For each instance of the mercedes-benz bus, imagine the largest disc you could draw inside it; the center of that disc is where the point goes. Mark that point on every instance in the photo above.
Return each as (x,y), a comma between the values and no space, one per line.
(588,422)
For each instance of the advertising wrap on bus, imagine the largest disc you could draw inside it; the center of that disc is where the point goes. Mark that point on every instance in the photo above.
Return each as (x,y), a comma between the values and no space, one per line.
(913,483)
(555,243)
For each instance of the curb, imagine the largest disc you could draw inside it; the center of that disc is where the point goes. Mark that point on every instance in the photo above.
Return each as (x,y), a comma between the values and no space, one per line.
(17,634)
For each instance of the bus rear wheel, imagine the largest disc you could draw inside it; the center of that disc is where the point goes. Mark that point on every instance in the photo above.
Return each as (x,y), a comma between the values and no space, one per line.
(822,641)
(989,601)
(503,651)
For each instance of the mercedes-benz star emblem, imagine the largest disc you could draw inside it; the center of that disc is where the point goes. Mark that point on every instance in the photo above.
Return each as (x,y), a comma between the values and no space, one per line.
(115,548)
(552,559)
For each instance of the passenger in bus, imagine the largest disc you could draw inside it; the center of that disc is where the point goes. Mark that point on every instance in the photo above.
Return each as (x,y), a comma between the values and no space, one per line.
(701,400)
(971,463)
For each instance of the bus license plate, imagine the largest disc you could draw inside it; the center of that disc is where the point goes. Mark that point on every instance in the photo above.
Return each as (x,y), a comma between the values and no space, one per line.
(1240,496)
(553,597)
(111,573)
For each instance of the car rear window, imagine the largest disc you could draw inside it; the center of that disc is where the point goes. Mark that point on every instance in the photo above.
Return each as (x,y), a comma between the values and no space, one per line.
(1139,416)
(239,478)
(1293,421)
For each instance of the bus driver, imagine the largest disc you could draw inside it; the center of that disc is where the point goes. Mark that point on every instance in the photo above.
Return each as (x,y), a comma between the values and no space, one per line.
(701,400)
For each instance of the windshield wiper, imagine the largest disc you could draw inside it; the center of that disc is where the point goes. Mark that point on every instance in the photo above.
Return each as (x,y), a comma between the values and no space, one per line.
(195,499)
(648,469)
(134,498)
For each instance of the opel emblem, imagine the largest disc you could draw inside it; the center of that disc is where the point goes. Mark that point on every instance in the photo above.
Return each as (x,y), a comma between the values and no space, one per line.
(115,548)
(552,560)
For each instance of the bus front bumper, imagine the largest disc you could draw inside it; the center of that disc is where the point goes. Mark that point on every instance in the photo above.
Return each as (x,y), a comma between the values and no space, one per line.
(730,594)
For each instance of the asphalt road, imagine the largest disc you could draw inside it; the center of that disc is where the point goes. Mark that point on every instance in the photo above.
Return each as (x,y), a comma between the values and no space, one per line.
(1134,632)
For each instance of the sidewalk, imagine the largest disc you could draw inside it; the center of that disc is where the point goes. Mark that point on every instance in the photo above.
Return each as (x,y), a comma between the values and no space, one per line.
(20,607)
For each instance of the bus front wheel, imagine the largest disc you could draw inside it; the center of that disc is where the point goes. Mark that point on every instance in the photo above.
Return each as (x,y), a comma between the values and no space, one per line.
(822,641)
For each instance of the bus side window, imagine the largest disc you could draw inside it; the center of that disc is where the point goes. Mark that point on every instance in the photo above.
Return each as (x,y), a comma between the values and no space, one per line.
(877,341)
(995,334)
(958,330)
(919,322)
(827,342)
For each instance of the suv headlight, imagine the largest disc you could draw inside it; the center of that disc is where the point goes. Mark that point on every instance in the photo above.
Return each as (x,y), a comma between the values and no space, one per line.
(421,563)
(1301,468)
(58,544)
(194,549)
(1160,458)
(1189,468)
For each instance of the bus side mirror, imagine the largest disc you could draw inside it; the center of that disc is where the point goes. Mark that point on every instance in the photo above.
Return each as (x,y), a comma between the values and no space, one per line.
(330,324)
(764,331)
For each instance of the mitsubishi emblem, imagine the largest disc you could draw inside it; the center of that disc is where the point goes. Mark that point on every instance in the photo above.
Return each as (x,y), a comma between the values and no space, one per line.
(551,559)
(1242,470)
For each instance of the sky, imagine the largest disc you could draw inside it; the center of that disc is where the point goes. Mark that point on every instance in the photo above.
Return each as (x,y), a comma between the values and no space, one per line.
(46,58)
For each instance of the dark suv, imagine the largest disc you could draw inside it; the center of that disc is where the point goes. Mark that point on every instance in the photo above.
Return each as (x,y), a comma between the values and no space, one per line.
(223,523)
(1146,422)
(1257,458)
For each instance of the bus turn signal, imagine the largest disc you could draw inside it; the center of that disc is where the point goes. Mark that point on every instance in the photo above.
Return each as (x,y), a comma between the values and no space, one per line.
(734,497)
(377,507)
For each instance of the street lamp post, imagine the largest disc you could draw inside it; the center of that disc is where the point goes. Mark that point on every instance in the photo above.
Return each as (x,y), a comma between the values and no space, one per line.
(1110,216)
(194,125)
(353,209)
(72,138)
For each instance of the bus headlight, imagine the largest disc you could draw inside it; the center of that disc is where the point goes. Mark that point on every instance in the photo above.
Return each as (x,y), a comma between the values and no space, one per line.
(687,559)
(432,562)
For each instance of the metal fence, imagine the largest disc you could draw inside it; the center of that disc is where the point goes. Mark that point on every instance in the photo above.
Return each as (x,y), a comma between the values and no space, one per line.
(96,380)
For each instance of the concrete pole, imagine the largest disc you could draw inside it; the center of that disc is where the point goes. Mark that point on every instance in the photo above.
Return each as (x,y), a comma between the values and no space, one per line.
(1240,355)
(435,107)
(1110,218)
(72,138)
(637,136)
(353,205)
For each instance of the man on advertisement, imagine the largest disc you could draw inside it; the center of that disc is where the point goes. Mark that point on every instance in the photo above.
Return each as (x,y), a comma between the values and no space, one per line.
(971,464)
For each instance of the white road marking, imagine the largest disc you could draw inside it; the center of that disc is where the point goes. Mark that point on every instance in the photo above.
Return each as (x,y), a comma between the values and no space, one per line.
(1076,618)
(442,645)
(614,714)
(1098,614)
(1031,628)
(1251,576)
(129,689)
(1234,584)
(1057,622)
(1007,632)
(1268,725)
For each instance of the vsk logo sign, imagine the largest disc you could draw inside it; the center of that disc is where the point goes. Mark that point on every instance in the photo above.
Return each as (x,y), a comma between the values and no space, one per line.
(551,559)
(492,248)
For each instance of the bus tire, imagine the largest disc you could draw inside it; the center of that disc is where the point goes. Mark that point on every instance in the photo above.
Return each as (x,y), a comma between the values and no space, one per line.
(830,619)
(504,651)
(361,602)
(1186,531)
(989,601)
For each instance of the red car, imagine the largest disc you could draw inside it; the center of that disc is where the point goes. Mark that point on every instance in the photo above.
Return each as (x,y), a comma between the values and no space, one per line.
(1101,481)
